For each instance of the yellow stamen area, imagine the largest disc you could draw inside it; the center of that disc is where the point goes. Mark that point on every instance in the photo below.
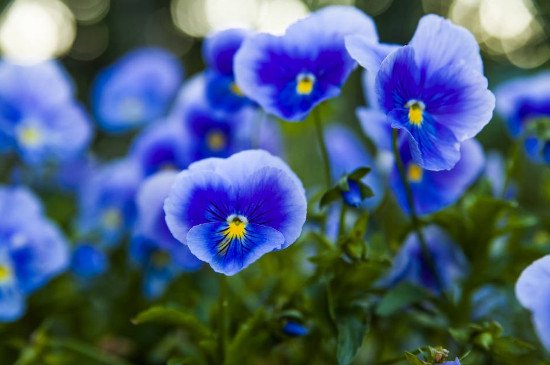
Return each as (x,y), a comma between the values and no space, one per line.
(305,83)
(216,140)
(111,218)
(414,172)
(5,273)
(235,89)
(29,136)
(160,259)
(236,229)
(415,114)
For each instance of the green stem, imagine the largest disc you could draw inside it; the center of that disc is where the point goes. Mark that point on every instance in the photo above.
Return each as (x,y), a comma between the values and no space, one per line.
(515,154)
(342,221)
(87,351)
(414,217)
(321,139)
(222,309)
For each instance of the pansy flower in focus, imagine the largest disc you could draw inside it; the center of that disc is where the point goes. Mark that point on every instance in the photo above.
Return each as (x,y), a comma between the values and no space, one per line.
(230,212)
(289,75)
(525,105)
(346,154)
(39,116)
(32,250)
(533,292)
(107,207)
(136,90)
(434,89)
(435,190)
(161,255)
(409,264)
(218,52)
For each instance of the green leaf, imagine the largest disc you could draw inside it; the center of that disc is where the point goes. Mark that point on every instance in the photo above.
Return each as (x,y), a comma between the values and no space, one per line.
(330,196)
(359,173)
(510,346)
(403,295)
(351,331)
(250,338)
(366,191)
(174,317)
(413,359)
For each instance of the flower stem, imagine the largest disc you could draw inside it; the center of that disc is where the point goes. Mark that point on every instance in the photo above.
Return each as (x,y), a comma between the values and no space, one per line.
(321,139)
(222,309)
(414,217)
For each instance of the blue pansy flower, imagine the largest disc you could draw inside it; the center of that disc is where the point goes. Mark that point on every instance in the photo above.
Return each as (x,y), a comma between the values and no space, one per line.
(136,90)
(289,75)
(88,261)
(215,133)
(533,292)
(230,212)
(434,89)
(107,207)
(163,145)
(39,116)
(522,102)
(347,154)
(218,51)
(409,264)
(32,250)
(435,190)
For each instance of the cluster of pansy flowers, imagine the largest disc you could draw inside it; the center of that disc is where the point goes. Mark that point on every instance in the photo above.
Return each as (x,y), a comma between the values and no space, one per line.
(201,181)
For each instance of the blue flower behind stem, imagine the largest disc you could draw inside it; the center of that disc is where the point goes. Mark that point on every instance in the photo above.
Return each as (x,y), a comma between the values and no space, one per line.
(433,89)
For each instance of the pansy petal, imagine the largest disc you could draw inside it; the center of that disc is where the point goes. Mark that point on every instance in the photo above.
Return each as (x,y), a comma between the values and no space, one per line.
(219,49)
(368,52)
(269,197)
(533,285)
(208,243)
(439,43)
(541,319)
(376,126)
(197,197)
(12,302)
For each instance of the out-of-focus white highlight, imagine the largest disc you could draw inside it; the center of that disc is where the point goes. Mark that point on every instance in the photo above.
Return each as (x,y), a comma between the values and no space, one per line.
(276,15)
(504,27)
(505,18)
(198,18)
(89,11)
(32,31)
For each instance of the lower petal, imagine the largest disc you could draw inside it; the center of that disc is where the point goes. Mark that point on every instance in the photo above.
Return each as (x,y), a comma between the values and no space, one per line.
(229,256)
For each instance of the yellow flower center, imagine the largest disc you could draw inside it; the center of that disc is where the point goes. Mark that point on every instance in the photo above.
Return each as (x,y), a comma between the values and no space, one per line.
(305,83)
(235,89)
(236,229)
(5,273)
(414,172)
(216,140)
(111,218)
(416,109)
(30,136)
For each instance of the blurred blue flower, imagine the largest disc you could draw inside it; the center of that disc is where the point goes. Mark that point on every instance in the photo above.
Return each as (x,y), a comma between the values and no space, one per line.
(32,250)
(39,116)
(289,75)
(218,51)
(230,212)
(136,90)
(455,362)
(435,190)
(107,207)
(163,145)
(409,264)
(522,102)
(294,329)
(88,261)
(215,133)
(433,89)
(346,154)
(532,291)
